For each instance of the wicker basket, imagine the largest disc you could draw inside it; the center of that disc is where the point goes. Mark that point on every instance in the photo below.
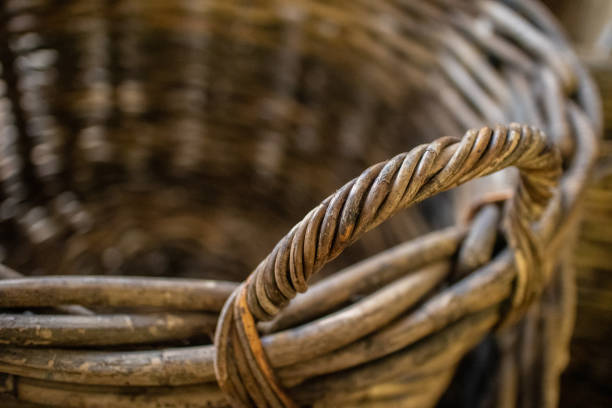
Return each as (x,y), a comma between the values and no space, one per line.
(590,370)
(183,139)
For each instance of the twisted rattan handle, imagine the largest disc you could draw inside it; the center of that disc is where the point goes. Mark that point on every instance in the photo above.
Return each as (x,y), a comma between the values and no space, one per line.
(365,202)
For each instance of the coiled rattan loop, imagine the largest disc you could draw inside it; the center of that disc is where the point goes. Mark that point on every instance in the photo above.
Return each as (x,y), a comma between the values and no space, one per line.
(242,369)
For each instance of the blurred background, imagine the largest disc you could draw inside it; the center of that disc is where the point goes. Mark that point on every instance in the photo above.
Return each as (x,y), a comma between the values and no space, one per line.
(587,381)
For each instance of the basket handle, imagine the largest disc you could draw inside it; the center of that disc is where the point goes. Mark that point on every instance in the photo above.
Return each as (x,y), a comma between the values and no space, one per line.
(364,203)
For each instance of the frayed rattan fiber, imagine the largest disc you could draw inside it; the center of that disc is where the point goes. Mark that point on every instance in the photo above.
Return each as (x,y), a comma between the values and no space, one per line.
(164,173)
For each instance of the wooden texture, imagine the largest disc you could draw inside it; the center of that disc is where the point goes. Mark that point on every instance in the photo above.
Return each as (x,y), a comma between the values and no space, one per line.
(189,146)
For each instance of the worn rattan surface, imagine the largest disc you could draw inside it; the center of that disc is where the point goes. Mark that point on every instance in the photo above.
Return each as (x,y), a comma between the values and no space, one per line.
(183,139)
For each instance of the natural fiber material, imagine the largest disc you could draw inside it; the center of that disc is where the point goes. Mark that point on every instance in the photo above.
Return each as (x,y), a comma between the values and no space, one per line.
(361,205)
(588,375)
(184,139)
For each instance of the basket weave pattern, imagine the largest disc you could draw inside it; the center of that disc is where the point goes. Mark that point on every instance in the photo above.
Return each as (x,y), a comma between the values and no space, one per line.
(184,139)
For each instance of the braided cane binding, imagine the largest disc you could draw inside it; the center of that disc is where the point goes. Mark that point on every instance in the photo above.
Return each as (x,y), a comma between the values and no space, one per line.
(381,191)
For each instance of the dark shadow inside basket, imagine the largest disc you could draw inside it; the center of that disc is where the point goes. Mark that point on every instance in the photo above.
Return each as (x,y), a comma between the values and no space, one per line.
(191,149)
